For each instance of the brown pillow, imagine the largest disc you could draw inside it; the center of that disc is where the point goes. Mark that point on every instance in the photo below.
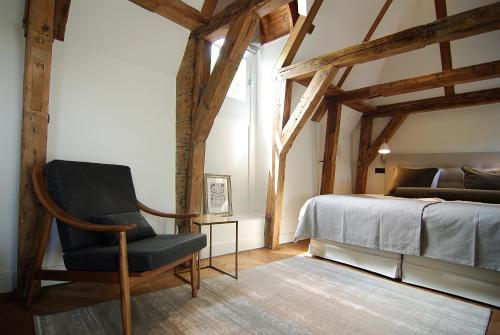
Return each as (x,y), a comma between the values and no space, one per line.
(404,177)
(481,179)
(451,178)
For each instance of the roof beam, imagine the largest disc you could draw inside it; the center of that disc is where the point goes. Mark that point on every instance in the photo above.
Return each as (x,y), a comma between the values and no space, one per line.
(176,11)
(297,36)
(219,24)
(444,47)
(462,75)
(484,97)
(61,18)
(369,35)
(385,136)
(473,22)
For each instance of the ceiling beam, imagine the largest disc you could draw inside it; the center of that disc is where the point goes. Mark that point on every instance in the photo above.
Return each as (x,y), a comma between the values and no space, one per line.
(208,8)
(484,97)
(176,11)
(219,23)
(61,18)
(444,47)
(369,35)
(297,36)
(462,75)
(473,22)
(385,136)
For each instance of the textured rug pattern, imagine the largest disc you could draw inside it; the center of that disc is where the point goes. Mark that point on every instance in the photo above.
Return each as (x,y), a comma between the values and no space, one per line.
(299,295)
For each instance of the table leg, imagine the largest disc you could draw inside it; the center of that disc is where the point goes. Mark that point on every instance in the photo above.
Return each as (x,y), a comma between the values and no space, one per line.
(210,250)
(236,253)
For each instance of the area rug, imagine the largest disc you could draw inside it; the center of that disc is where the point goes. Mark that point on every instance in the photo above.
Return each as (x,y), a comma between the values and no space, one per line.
(299,295)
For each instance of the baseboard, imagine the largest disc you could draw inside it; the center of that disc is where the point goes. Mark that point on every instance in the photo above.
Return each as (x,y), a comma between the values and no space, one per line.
(228,247)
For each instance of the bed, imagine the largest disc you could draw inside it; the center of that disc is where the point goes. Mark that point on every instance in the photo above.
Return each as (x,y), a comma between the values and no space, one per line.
(447,245)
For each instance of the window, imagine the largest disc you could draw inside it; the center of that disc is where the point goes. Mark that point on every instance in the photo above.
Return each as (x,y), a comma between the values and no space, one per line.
(238,88)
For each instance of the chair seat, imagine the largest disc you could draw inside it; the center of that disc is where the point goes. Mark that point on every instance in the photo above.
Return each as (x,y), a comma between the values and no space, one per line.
(143,255)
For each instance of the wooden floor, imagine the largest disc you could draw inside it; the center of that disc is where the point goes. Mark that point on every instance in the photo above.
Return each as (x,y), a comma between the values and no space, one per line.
(59,298)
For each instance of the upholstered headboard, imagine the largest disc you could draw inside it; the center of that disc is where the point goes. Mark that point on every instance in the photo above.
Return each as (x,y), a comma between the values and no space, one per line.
(473,159)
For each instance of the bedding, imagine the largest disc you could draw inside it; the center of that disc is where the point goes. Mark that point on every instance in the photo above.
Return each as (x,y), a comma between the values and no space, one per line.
(412,177)
(461,232)
(451,194)
(481,179)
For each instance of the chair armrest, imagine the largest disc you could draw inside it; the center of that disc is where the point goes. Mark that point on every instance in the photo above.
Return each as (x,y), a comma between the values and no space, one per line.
(49,204)
(154,212)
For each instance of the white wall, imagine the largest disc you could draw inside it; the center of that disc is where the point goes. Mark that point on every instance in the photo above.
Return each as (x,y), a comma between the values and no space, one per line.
(112,100)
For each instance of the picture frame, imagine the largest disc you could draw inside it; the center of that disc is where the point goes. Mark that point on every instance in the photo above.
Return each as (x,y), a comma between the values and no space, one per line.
(217,195)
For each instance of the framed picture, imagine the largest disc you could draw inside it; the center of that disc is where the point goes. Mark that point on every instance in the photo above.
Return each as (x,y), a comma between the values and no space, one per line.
(217,195)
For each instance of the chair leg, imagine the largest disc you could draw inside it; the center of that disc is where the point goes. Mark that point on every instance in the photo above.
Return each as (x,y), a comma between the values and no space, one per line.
(31,283)
(125,286)
(194,276)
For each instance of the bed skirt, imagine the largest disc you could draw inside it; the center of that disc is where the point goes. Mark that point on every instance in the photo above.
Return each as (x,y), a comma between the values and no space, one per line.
(461,280)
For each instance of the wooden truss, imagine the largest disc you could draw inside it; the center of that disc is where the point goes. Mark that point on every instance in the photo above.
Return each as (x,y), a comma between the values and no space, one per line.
(323,97)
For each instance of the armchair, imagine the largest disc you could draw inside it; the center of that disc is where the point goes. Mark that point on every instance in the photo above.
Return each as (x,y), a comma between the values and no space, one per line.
(75,194)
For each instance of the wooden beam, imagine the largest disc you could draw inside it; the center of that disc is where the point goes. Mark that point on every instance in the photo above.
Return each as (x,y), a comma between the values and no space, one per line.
(385,136)
(176,11)
(462,75)
(320,111)
(237,40)
(37,65)
(473,22)
(208,8)
(444,47)
(484,97)
(297,36)
(61,18)
(307,105)
(365,137)
(368,35)
(219,24)
(331,146)
(276,178)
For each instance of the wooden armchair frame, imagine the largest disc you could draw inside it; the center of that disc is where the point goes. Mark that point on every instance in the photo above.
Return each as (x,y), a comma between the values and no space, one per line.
(123,277)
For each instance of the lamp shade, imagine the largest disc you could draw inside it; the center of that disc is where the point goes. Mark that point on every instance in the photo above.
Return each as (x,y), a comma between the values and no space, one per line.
(384,149)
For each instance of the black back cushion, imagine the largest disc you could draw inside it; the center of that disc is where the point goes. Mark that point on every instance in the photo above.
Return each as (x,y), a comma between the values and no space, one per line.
(87,190)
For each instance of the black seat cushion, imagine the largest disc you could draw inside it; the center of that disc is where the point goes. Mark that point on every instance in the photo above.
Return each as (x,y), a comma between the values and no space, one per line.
(143,255)
(143,230)
(86,190)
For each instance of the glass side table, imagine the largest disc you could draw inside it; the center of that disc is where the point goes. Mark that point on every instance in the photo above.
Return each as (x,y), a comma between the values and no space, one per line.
(211,220)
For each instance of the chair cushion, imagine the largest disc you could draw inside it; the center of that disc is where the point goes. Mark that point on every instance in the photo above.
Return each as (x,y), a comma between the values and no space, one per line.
(87,190)
(143,255)
(143,230)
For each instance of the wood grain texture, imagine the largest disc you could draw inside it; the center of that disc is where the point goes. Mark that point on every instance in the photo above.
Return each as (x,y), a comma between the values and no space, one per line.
(444,47)
(462,75)
(124,286)
(331,146)
(61,18)
(297,36)
(307,105)
(220,22)
(473,22)
(208,8)
(365,136)
(275,24)
(176,11)
(484,97)
(367,37)
(236,42)
(36,87)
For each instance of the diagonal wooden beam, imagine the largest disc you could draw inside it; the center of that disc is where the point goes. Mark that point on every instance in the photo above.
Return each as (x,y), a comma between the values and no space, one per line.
(385,136)
(237,40)
(219,23)
(176,11)
(208,8)
(61,18)
(368,35)
(306,106)
(297,36)
(473,22)
(331,146)
(484,97)
(444,47)
(462,75)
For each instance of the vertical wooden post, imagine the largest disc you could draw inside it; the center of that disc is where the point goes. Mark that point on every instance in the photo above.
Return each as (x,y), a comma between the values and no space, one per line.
(331,145)
(38,57)
(365,137)
(276,178)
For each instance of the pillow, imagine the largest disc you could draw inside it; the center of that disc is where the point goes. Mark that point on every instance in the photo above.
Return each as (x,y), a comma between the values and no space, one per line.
(143,230)
(450,194)
(451,178)
(480,179)
(404,177)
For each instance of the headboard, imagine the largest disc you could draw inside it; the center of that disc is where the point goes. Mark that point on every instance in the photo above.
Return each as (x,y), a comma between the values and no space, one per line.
(473,159)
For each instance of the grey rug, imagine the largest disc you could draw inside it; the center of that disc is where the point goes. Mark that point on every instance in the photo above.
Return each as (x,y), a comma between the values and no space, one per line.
(299,295)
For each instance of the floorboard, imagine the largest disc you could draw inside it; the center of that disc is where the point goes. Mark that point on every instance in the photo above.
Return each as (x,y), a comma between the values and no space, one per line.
(59,298)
